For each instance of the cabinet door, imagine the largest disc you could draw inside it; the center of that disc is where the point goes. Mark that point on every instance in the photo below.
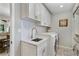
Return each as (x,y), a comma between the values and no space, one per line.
(28,49)
(48,18)
(27,10)
(32,10)
(24,10)
(37,11)
(45,16)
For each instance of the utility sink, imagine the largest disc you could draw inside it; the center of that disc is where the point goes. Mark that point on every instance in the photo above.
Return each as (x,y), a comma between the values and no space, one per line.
(37,39)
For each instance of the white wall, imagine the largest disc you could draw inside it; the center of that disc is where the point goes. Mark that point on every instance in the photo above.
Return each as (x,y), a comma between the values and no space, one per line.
(5,14)
(27,29)
(15,30)
(65,33)
(4,9)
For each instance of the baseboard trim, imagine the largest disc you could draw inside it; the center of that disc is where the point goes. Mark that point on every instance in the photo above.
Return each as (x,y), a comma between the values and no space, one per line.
(60,46)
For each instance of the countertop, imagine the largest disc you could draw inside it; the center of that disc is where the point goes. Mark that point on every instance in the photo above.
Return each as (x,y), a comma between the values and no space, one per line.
(43,37)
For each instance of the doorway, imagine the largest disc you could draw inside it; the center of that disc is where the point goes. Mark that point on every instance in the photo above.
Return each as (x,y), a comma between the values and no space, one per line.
(4,29)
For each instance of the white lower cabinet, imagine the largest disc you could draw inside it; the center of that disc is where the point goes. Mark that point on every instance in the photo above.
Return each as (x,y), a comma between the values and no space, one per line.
(34,50)
(28,49)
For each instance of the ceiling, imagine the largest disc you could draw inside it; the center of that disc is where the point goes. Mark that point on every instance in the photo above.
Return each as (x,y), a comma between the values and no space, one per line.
(55,7)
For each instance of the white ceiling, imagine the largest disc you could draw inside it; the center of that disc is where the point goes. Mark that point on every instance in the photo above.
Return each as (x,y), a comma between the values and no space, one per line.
(55,7)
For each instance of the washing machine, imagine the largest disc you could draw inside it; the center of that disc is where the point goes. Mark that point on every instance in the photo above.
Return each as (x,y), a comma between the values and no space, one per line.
(53,43)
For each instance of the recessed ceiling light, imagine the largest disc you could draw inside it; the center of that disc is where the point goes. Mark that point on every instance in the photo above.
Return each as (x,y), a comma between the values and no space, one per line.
(61,6)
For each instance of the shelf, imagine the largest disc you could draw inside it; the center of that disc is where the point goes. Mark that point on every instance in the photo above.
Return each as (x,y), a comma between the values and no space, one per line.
(44,25)
(4,33)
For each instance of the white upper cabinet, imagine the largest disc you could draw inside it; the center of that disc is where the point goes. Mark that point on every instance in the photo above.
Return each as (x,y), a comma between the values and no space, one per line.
(48,19)
(36,11)
(42,14)
(45,16)
(27,10)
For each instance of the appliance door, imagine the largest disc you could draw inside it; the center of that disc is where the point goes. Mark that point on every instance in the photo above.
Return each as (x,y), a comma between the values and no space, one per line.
(52,46)
(42,49)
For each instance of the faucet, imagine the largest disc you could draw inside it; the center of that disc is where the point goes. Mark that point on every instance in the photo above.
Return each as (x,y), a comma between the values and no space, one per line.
(32,33)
